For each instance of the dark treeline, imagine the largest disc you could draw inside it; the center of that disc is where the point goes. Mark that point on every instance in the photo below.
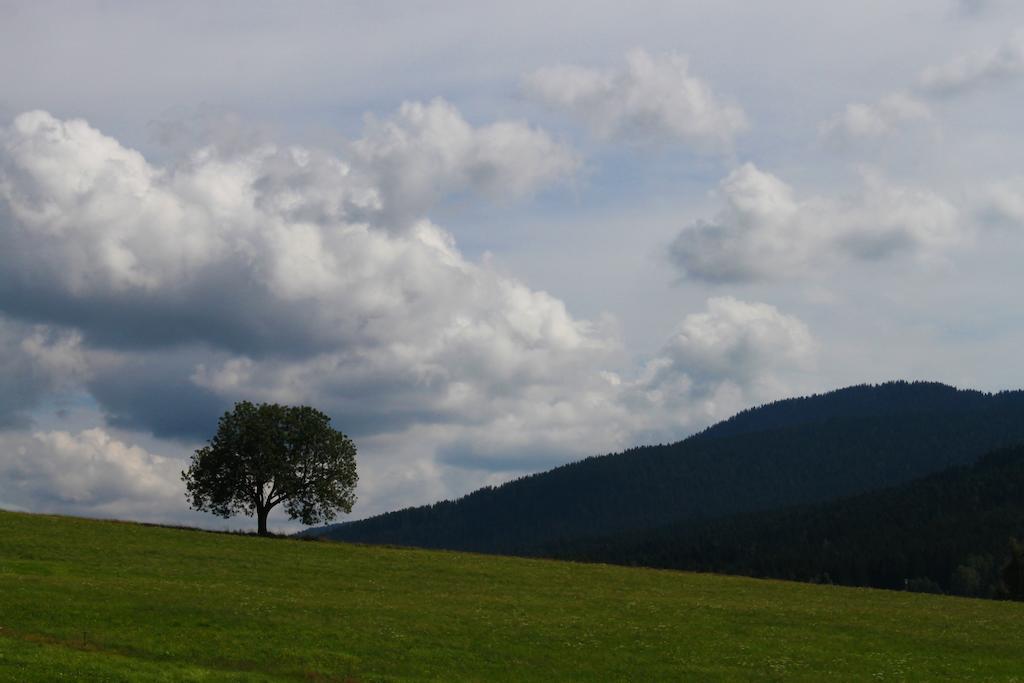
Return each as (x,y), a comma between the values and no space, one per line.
(948,532)
(865,400)
(792,452)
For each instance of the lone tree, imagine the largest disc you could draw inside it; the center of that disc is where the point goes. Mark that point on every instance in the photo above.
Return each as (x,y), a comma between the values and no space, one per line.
(267,454)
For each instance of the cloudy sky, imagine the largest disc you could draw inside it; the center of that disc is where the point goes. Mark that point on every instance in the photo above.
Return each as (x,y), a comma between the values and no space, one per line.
(486,240)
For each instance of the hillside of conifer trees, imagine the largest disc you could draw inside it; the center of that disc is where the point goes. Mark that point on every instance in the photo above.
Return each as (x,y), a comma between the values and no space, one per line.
(795,452)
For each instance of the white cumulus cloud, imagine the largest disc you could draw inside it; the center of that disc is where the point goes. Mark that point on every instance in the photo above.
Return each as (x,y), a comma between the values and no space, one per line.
(1003,201)
(737,341)
(89,472)
(650,97)
(426,151)
(733,354)
(885,117)
(264,253)
(765,231)
(966,72)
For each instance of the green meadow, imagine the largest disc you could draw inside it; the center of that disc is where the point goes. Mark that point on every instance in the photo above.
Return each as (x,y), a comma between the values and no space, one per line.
(91,600)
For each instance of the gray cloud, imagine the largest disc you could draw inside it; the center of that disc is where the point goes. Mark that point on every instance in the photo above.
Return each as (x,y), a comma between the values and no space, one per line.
(974,8)
(465,456)
(36,361)
(152,392)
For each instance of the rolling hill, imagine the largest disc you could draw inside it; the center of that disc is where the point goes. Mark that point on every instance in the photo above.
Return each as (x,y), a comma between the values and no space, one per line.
(793,452)
(948,531)
(87,600)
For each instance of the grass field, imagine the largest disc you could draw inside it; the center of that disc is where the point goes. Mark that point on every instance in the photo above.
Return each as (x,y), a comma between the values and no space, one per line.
(88,600)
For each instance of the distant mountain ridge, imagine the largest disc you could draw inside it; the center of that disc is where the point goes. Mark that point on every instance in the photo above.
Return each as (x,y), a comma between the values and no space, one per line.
(862,400)
(791,452)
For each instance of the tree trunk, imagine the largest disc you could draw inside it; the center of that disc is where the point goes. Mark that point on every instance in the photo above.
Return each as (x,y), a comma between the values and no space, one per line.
(261,517)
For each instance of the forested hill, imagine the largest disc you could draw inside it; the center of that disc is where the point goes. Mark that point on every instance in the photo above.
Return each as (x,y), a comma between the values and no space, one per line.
(792,452)
(949,531)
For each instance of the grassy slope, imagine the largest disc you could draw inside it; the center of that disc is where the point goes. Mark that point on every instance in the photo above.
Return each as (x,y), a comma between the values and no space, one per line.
(87,600)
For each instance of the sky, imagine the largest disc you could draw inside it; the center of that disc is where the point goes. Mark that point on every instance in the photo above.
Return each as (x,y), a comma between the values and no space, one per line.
(486,239)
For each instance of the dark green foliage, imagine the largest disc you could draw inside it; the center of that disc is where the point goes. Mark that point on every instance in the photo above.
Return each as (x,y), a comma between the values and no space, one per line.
(1013,572)
(977,577)
(268,454)
(792,452)
(937,534)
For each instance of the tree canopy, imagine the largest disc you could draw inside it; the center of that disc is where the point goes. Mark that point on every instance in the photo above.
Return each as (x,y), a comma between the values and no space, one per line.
(269,454)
